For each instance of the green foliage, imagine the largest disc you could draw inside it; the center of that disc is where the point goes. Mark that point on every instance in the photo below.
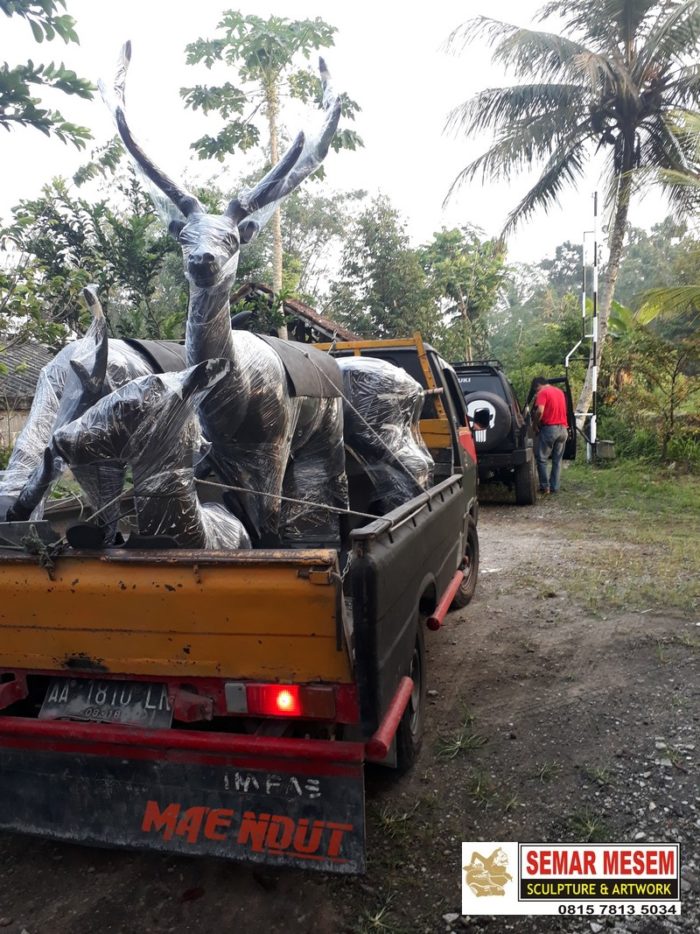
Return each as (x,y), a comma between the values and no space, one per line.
(263,52)
(536,329)
(18,84)
(383,290)
(650,389)
(59,242)
(608,84)
(466,273)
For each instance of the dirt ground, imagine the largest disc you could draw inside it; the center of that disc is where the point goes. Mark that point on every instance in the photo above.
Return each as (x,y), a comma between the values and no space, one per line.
(549,718)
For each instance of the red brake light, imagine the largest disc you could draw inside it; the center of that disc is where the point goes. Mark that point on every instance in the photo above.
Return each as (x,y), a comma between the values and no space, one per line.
(274,700)
(291,700)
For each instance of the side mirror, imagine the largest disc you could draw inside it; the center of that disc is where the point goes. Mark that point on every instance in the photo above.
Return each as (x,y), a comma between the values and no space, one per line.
(481,419)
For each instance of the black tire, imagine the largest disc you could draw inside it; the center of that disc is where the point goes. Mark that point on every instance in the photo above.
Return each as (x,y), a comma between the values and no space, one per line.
(526,484)
(502,418)
(409,735)
(471,559)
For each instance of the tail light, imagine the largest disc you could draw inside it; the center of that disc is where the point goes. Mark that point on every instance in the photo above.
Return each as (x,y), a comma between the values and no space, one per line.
(281,700)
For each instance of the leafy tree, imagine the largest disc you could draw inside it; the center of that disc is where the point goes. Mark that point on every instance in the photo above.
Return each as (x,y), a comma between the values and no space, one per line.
(383,290)
(315,228)
(652,387)
(59,242)
(467,274)
(611,81)
(263,52)
(564,270)
(18,105)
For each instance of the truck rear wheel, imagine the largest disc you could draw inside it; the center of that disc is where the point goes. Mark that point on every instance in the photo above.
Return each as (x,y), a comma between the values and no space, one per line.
(471,568)
(409,735)
(526,484)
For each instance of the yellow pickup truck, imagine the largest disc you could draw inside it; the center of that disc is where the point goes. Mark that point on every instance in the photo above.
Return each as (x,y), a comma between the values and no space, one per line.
(225,703)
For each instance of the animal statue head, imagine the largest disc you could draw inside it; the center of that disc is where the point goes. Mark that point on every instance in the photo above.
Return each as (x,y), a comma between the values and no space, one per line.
(148,423)
(210,243)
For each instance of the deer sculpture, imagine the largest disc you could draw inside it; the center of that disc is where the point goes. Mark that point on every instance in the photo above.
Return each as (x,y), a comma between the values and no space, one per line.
(150,426)
(273,420)
(266,417)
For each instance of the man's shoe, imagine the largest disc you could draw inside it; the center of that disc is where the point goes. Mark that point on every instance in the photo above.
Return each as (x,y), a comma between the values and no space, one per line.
(544,490)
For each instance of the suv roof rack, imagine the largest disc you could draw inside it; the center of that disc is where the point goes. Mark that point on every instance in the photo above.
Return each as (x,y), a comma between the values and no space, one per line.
(465,363)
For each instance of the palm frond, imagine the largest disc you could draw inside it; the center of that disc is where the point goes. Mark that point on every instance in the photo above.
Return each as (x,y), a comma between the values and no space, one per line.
(669,302)
(600,73)
(674,35)
(521,144)
(606,22)
(563,167)
(525,51)
(683,86)
(541,54)
(501,107)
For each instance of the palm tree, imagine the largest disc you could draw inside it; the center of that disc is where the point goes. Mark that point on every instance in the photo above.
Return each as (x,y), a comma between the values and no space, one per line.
(609,83)
(683,190)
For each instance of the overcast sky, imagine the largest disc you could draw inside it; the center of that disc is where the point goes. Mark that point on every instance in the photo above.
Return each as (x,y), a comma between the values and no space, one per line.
(390,58)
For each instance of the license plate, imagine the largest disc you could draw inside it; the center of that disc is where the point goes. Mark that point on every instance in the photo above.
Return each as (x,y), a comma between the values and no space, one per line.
(136,703)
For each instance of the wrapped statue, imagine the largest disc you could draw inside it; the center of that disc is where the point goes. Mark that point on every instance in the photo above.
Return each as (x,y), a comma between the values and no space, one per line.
(381,414)
(149,425)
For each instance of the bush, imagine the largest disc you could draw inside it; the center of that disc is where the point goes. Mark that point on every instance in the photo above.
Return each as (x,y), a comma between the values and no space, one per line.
(685,450)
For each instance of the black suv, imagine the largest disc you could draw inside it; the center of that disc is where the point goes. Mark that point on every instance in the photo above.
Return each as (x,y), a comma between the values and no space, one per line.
(506,448)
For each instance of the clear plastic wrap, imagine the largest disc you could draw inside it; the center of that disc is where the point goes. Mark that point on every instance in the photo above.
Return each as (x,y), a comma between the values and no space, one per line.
(75,379)
(149,425)
(27,453)
(267,444)
(381,426)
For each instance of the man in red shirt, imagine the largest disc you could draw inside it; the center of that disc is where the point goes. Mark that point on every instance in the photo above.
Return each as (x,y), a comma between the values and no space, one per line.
(550,418)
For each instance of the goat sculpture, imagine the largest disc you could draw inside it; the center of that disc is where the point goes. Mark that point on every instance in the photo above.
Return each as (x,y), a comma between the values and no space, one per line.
(78,376)
(149,425)
(70,384)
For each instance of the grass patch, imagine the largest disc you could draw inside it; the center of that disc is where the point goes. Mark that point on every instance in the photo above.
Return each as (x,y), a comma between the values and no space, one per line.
(481,787)
(379,920)
(547,772)
(462,740)
(641,529)
(588,827)
(637,488)
(396,823)
(600,774)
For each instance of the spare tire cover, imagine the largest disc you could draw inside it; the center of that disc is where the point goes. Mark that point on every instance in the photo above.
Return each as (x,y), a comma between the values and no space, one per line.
(499,422)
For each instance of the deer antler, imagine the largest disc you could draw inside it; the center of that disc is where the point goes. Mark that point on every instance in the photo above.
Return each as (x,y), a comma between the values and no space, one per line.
(301,159)
(184,201)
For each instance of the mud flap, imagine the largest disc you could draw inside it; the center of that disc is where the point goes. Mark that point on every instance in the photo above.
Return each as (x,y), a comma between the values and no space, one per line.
(240,805)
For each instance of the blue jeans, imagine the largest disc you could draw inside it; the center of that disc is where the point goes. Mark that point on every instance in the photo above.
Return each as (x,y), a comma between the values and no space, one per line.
(551,441)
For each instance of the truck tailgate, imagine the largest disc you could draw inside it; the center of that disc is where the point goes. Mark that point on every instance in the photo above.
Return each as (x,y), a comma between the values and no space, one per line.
(265,615)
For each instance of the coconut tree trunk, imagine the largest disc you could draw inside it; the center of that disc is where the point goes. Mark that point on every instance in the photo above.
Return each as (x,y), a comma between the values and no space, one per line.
(615,244)
(272,100)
